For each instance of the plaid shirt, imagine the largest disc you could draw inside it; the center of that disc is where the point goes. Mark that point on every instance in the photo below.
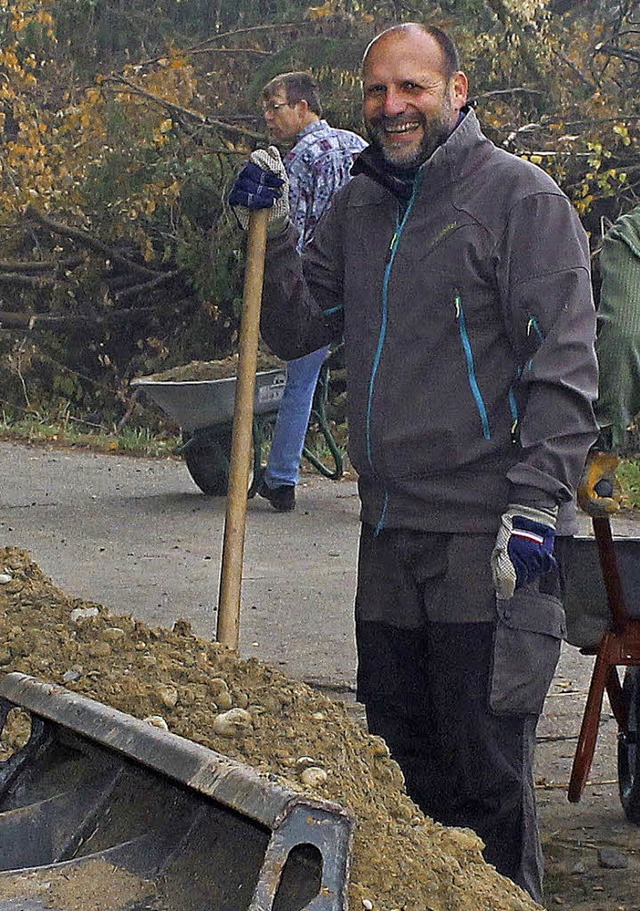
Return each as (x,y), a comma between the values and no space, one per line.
(318,165)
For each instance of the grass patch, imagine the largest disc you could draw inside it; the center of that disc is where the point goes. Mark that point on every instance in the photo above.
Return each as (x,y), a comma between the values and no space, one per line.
(629,476)
(65,431)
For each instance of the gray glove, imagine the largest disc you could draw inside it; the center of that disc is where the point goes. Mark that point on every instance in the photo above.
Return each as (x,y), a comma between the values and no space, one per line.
(523,549)
(262,184)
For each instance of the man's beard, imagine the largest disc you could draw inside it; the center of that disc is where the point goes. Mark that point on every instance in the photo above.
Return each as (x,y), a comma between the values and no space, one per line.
(435,131)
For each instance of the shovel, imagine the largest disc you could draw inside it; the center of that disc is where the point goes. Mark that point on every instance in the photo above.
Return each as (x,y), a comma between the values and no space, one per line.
(228,627)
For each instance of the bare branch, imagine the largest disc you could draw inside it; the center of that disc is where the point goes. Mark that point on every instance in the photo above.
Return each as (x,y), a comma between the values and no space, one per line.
(176,110)
(148,287)
(87,240)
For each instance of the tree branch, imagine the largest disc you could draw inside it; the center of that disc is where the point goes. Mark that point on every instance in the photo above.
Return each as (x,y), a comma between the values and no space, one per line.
(82,237)
(41,266)
(176,110)
(147,287)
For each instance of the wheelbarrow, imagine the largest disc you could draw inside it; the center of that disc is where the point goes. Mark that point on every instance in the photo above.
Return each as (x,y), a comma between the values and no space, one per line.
(602,602)
(203,409)
(100,802)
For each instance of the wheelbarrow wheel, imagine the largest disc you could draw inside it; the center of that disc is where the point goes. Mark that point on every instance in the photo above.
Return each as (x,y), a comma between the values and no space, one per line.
(207,460)
(629,748)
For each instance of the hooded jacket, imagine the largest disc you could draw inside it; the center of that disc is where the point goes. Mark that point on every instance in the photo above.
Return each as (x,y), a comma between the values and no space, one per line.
(466,309)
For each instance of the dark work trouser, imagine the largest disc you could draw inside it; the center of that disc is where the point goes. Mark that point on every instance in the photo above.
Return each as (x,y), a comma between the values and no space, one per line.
(426,690)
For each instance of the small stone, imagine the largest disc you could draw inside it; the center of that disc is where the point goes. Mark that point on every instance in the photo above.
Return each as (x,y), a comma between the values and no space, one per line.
(611,859)
(233,723)
(224,700)
(313,777)
(5,578)
(367,904)
(99,650)
(113,634)
(579,868)
(157,721)
(168,696)
(70,676)
(305,762)
(218,685)
(83,613)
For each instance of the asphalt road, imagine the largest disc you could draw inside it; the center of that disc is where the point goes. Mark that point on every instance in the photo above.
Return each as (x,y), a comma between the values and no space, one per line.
(137,536)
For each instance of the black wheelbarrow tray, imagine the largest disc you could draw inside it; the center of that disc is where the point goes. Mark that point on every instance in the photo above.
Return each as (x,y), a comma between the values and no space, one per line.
(204,409)
(98,803)
(602,602)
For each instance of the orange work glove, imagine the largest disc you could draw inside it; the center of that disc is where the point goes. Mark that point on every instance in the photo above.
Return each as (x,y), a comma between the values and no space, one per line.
(599,491)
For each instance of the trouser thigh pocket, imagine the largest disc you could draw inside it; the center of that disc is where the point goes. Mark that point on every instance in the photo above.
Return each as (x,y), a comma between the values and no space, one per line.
(529,631)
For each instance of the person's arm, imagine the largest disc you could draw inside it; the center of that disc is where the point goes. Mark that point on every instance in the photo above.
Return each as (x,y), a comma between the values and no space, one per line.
(294,321)
(545,286)
(302,299)
(618,353)
(618,341)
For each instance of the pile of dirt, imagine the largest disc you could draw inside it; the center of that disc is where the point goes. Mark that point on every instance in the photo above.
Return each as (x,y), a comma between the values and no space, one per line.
(402,861)
(213,370)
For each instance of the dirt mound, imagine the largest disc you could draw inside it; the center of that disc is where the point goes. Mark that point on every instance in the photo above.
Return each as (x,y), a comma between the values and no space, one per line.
(402,861)
(213,370)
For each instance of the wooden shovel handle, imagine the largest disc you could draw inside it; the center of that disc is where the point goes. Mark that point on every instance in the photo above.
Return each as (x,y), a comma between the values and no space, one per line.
(228,626)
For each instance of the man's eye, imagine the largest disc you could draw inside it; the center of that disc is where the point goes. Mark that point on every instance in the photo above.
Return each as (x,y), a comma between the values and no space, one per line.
(374,90)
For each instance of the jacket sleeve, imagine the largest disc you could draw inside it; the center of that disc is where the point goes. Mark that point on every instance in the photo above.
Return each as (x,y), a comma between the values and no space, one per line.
(302,306)
(545,285)
(618,342)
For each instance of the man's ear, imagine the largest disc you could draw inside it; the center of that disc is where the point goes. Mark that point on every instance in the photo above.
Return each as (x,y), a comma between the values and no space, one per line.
(459,88)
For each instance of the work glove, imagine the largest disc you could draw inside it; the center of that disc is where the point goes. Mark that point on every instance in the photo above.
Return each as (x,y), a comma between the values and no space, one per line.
(599,490)
(523,549)
(262,184)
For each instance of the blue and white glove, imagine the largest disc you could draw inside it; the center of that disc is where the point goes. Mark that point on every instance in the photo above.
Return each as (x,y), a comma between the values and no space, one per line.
(262,184)
(523,549)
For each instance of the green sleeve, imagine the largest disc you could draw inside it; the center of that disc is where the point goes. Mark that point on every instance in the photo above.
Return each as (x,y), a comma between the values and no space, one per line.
(618,341)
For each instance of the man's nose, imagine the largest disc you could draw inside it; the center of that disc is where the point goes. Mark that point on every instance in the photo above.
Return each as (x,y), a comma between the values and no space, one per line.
(394,103)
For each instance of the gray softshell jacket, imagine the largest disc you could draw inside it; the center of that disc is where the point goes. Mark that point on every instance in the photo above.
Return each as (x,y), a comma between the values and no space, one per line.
(468,320)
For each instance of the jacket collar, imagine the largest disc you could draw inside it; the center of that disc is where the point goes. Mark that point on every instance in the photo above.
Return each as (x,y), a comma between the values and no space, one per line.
(450,155)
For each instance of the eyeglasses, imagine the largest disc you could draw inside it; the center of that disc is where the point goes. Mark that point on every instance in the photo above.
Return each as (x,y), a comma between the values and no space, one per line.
(274,106)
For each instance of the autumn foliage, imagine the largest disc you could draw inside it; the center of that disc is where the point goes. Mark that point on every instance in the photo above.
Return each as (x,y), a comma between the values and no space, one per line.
(123,124)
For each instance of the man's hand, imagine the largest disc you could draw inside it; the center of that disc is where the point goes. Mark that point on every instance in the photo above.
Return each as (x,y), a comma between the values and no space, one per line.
(524,548)
(262,184)
(599,491)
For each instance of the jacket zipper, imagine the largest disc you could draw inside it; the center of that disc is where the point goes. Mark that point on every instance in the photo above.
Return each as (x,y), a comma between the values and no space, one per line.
(393,247)
(471,367)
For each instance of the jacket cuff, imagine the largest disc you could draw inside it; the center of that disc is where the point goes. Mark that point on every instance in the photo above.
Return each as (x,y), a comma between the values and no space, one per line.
(533,497)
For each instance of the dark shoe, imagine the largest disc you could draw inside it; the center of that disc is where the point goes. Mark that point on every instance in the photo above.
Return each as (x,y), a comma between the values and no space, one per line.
(283,498)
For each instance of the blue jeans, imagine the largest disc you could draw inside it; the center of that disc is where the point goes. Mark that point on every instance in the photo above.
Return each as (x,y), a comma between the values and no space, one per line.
(293,417)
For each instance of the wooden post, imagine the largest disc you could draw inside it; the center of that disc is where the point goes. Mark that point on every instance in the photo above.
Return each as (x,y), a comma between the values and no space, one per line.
(228,626)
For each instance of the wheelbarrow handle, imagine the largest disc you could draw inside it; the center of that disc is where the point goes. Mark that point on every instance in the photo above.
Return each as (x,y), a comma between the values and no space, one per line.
(610,571)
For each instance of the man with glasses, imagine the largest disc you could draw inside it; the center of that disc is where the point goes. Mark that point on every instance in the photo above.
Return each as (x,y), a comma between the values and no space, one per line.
(317,164)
